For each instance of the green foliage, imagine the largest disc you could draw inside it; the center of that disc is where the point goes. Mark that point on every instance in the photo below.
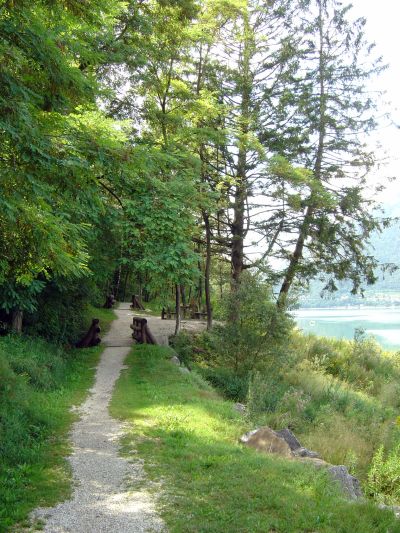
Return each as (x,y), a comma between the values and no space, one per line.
(255,337)
(182,343)
(17,296)
(265,391)
(226,381)
(39,382)
(60,314)
(55,144)
(384,476)
(188,437)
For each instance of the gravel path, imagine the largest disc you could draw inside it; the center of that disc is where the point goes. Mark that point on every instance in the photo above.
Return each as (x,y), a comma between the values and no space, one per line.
(102,501)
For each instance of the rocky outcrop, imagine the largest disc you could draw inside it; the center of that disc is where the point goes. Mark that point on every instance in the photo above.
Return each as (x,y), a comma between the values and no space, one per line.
(285,444)
(349,485)
(266,440)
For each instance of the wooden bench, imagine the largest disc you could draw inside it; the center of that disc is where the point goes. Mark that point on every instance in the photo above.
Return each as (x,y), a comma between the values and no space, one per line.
(199,314)
(194,314)
(141,332)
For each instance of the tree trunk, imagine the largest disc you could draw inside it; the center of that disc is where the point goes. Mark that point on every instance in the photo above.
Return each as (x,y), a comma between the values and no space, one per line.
(245,84)
(177,309)
(237,254)
(16,321)
(295,259)
(200,285)
(183,295)
(207,289)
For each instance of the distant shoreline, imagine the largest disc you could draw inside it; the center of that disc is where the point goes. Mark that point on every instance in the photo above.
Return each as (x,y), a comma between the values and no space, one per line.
(349,307)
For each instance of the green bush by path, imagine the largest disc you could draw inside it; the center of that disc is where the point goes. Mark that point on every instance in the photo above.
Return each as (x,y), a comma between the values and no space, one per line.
(188,438)
(39,382)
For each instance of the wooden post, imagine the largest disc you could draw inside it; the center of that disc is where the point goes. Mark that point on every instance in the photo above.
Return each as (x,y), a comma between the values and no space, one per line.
(16,321)
(177,310)
(141,332)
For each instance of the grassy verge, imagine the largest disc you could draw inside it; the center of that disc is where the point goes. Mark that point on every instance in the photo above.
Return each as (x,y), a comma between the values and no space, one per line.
(188,438)
(39,383)
(106,316)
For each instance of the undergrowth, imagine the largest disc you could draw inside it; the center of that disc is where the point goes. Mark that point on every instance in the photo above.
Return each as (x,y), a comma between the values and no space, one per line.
(341,398)
(39,382)
(188,438)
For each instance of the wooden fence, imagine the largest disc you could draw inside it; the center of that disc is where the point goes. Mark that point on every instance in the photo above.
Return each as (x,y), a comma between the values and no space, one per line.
(141,332)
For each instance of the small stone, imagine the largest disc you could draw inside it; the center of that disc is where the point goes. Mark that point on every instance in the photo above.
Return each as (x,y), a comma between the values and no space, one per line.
(315,461)
(304,452)
(175,360)
(244,438)
(394,508)
(240,407)
(184,370)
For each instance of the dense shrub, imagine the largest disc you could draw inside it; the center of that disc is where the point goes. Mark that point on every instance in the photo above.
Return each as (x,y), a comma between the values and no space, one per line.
(60,313)
(231,385)
(183,344)
(384,476)
(265,392)
(254,331)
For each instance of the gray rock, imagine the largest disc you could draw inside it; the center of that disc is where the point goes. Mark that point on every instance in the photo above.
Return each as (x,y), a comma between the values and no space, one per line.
(240,407)
(175,360)
(266,440)
(304,452)
(289,437)
(348,483)
(297,449)
(184,370)
(394,508)
(284,442)
(245,438)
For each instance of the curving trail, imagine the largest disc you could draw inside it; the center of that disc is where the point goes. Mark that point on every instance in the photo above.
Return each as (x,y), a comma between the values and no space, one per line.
(102,501)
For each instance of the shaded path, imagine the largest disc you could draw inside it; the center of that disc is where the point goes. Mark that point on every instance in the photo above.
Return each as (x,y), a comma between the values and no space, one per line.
(101,501)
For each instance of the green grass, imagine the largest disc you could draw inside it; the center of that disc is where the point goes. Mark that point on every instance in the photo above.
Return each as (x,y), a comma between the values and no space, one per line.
(106,316)
(39,382)
(188,438)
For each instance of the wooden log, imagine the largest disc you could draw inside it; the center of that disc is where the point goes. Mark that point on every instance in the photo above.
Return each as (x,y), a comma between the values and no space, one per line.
(92,336)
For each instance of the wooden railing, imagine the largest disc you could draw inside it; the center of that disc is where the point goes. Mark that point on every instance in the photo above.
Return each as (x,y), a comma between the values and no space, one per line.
(136,303)
(141,332)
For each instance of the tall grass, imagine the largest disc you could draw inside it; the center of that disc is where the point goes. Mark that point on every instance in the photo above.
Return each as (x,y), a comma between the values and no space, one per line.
(341,398)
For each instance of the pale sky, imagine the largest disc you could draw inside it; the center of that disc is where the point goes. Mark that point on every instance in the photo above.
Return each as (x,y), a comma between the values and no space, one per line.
(383,28)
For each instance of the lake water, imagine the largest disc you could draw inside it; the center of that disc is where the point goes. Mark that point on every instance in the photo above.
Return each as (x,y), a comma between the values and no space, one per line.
(382,323)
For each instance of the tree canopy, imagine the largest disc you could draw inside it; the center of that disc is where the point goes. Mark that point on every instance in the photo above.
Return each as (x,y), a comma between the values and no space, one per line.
(146,146)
